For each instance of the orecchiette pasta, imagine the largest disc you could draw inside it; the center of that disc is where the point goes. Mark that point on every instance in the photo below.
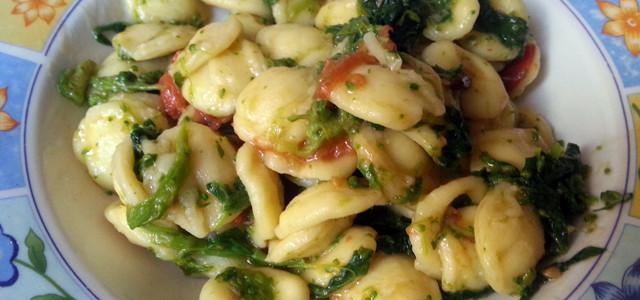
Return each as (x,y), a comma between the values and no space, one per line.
(392,277)
(208,42)
(104,127)
(257,7)
(336,12)
(324,202)
(265,194)
(152,40)
(327,265)
(295,11)
(308,241)
(214,87)
(486,97)
(509,238)
(291,151)
(394,99)
(166,10)
(281,42)
(512,145)
(463,14)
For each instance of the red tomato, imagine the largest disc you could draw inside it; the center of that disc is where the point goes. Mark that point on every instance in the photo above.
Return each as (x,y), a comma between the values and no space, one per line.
(516,71)
(172,100)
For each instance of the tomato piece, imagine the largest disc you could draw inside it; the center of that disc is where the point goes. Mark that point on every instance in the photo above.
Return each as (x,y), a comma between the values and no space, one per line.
(385,32)
(213,122)
(336,72)
(172,100)
(516,71)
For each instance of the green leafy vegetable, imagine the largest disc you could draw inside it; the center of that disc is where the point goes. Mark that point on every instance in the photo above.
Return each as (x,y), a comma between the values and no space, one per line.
(555,186)
(73,83)
(155,206)
(148,130)
(326,122)
(406,17)
(461,295)
(357,266)
(511,31)
(586,253)
(250,284)
(99,31)
(611,199)
(352,32)
(102,88)
(439,11)
(391,228)
(234,199)
(456,132)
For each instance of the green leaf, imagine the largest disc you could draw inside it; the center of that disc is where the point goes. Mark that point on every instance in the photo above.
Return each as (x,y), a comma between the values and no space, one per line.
(250,284)
(357,266)
(611,199)
(155,206)
(35,249)
(73,83)
(99,31)
(234,199)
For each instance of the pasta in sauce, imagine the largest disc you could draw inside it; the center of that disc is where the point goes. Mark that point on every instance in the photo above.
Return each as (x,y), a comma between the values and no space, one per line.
(274,135)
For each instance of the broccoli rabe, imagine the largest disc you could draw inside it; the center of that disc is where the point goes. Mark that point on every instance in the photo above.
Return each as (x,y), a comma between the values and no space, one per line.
(73,83)
(357,266)
(456,132)
(102,88)
(147,130)
(161,200)
(512,32)
(554,184)
(234,199)
(391,227)
(250,284)
(81,86)
(406,17)
(540,278)
(99,32)
(352,32)
(326,122)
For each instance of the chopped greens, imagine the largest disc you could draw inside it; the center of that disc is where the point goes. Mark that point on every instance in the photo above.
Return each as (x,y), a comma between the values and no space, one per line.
(234,199)
(155,206)
(102,88)
(250,284)
(555,186)
(149,131)
(99,32)
(352,32)
(540,279)
(325,123)
(73,83)
(357,266)
(511,31)
(456,132)
(406,17)
(391,228)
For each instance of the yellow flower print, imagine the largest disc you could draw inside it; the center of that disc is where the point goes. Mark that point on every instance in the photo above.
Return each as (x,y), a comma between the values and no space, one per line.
(7,123)
(625,21)
(37,9)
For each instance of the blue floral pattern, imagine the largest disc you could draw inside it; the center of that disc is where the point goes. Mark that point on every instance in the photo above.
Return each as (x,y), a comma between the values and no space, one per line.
(8,252)
(630,286)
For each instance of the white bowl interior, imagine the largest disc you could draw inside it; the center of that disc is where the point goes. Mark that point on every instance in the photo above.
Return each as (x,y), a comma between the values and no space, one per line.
(576,91)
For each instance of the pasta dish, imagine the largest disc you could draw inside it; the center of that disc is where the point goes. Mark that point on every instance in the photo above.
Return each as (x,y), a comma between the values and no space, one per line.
(339,149)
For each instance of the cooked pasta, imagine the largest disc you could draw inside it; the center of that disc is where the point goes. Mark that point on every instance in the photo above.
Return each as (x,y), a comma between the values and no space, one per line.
(343,149)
